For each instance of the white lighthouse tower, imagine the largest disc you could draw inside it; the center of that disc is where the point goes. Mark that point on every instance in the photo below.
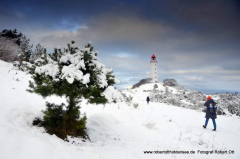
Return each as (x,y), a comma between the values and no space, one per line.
(153,69)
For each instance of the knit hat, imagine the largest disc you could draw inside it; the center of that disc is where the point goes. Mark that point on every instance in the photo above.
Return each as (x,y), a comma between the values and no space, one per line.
(209,97)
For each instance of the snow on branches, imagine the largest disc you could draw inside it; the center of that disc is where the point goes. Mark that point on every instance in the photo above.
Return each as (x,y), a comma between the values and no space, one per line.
(76,65)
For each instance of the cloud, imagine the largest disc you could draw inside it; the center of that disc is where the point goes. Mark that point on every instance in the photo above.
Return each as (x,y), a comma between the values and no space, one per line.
(196,42)
(195,78)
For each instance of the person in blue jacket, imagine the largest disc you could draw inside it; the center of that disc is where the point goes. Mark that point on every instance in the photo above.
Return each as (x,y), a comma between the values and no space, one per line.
(148,99)
(209,114)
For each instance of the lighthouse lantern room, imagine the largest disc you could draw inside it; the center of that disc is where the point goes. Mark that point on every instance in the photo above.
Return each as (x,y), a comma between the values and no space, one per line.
(153,69)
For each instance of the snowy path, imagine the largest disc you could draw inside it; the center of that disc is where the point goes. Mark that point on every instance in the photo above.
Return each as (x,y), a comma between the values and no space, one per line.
(116,131)
(170,128)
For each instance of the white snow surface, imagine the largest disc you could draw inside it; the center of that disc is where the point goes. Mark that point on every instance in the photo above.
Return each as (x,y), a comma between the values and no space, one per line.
(116,130)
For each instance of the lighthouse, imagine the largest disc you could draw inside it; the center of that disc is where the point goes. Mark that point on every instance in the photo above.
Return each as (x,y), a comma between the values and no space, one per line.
(153,69)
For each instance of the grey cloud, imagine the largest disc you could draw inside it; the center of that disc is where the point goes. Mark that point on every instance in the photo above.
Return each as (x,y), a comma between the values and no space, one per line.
(196,42)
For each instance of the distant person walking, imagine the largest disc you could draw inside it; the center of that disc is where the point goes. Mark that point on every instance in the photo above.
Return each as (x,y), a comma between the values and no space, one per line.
(211,112)
(148,99)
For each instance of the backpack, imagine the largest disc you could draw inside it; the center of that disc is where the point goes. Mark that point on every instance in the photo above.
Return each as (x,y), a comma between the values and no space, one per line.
(213,108)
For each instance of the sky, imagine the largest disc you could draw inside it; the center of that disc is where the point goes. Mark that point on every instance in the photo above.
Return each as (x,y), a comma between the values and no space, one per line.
(196,42)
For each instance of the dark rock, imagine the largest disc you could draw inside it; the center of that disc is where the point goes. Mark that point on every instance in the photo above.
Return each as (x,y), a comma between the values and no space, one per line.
(141,82)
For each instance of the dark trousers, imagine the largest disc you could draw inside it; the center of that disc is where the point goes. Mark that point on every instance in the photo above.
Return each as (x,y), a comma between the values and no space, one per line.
(214,122)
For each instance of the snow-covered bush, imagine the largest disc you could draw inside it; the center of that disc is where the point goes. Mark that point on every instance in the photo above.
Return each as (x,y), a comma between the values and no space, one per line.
(156,96)
(228,102)
(220,111)
(72,73)
(184,105)
(135,105)
(155,86)
(173,101)
(25,66)
(169,82)
(234,109)
(127,99)
(25,50)
(112,95)
(193,99)
(196,97)
(8,49)
(167,92)
(38,52)
(180,88)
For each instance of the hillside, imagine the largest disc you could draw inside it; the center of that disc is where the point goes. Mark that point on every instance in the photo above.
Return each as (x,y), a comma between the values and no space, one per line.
(116,130)
(228,103)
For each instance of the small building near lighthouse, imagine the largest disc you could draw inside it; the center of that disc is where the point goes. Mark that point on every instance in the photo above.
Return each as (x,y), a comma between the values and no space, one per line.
(153,69)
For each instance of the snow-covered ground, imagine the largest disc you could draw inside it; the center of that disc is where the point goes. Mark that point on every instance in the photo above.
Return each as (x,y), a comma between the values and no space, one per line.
(116,130)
